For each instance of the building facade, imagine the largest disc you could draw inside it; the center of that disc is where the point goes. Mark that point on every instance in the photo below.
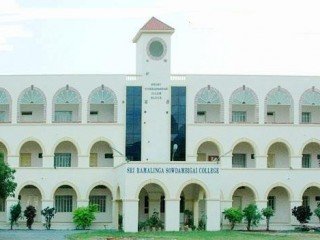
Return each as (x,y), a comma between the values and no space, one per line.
(157,142)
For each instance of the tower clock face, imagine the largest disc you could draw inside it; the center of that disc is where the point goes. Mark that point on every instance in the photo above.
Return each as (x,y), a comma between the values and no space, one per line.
(156,48)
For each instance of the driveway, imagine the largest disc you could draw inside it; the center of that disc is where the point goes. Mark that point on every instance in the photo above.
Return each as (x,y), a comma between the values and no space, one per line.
(35,234)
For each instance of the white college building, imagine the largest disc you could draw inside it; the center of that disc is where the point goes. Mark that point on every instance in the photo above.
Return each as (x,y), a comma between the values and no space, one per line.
(157,142)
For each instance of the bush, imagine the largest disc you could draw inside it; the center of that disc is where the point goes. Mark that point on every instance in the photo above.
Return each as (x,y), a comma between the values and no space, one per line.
(267,213)
(84,216)
(234,215)
(202,223)
(317,212)
(15,214)
(48,214)
(302,213)
(30,214)
(251,215)
(154,221)
(120,222)
(188,219)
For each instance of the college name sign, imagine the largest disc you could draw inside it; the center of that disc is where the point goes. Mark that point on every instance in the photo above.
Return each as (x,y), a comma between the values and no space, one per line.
(172,170)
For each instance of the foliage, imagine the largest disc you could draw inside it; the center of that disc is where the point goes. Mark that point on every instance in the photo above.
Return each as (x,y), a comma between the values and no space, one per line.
(154,221)
(7,184)
(188,219)
(267,212)
(202,223)
(302,213)
(234,215)
(317,212)
(84,216)
(120,222)
(15,214)
(30,213)
(251,215)
(48,214)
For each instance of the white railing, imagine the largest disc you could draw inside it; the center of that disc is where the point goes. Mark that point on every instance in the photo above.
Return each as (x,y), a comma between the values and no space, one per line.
(178,77)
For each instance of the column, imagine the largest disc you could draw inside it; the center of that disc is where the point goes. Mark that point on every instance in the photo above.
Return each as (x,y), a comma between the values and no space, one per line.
(296,113)
(45,203)
(261,161)
(49,114)
(213,214)
(261,112)
(84,112)
(196,213)
(225,204)
(14,110)
(296,162)
(9,202)
(226,112)
(172,215)
(294,203)
(115,214)
(48,161)
(118,159)
(130,215)
(154,203)
(13,161)
(83,161)
(226,161)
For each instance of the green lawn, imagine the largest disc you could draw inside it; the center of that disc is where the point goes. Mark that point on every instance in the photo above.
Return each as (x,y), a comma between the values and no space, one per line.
(221,235)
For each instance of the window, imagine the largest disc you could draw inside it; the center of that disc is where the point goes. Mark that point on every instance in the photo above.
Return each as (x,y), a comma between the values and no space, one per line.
(182,204)
(201,116)
(26,113)
(212,158)
(146,204)
(306,117)
(63,116)
(239,116)
(108,155)
(3,116)
(270,114)
(162,204)
(272,202)
(63,203)
(306,201)
(306,160)
(93,112)
(62,159)
(100,201)
(239,160)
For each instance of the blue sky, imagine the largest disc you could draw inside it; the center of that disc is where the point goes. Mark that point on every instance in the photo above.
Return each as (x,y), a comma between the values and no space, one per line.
(216,36)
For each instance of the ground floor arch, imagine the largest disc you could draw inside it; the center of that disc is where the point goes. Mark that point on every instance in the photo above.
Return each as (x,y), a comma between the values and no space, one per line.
(242,197)
(279,200)
(30,195)
(311,198)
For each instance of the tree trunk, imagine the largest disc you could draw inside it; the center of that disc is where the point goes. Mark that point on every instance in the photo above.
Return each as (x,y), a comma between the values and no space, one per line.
(268,224)
(232,226)
(248,225)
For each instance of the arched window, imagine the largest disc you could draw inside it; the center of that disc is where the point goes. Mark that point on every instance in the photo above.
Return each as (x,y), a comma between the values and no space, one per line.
(5,106)
(32,105)
(208,105)
(102,105)
(279,106)
(309,106)
(67,105)
(244,106)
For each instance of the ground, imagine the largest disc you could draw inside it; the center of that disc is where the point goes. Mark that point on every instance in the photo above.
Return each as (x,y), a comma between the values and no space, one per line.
(35,234)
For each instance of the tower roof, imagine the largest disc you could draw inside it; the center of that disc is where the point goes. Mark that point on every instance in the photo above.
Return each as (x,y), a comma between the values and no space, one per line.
(154,25)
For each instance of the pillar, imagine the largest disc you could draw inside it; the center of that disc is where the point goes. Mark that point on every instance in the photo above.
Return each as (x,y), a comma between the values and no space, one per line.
(196,213)
(49,113)
(154,203)
(13,161)
(261,161)
(213,214)
(48,161)
(14,110)
(172,215)
(261,111)
(296,113)
(84,112)
(296,162)
(226,161)
(115,214)
(294,203)
(226,112)
(83,161)
(130,215)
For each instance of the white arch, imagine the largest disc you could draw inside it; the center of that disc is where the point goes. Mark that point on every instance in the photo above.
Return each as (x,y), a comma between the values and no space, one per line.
(279,184)
(280,140)
(249,141)
(245,184)
(32,183)
(101,183)
(312,140)
(6,146)
(313,184)
(212,140)
(196,182)
(153,181)
(6,97)
(66,139)
(74,187)
(30,139)
(100,139)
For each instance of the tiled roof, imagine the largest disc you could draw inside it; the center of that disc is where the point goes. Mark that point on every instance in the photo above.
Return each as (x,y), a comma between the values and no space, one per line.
(156,24)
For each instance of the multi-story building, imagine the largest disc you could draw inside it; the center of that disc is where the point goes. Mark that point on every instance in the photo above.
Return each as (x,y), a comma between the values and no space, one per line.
(157,142)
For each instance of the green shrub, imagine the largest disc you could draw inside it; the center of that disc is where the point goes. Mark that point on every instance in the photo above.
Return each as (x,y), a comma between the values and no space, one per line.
(202,223)
(234,215)
(317,212)
(251,215)
(48,214)
(154,221)
(188,219)
(84,216)
(15,214)
(267,213)
(30,213)
(302,214)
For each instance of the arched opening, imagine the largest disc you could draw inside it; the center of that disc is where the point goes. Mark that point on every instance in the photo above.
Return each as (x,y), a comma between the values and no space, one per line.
(208,151)
(192,205)
(279,201)
(102,105)
(32,105)
(3,153)
(310,106)
(102,197)
(101,155)
(3,159)
(66,155)
(311,155)
(65,201)
(31,155)
(279,106)
(243,156)
(278,156)
(5,106)
(151,202)
(31,196)
(242,197)
(67,105)
(208,106)
(244,106)
(311,198)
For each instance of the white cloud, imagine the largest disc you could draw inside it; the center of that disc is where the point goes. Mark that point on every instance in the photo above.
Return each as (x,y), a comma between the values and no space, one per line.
(11,31)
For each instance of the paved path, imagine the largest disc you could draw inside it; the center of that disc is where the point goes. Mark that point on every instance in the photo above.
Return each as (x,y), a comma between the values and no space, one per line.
(35,234)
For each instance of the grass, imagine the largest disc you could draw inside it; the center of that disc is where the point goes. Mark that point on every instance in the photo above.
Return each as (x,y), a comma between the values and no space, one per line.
(196,235)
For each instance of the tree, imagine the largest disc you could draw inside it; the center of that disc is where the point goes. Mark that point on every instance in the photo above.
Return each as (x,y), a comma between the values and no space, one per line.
(302,214)
(48,214)
(15,214)
(317,212)
(252,215)
(234,215)
(267,212)
(30,213)
(84,216)
(7,184)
